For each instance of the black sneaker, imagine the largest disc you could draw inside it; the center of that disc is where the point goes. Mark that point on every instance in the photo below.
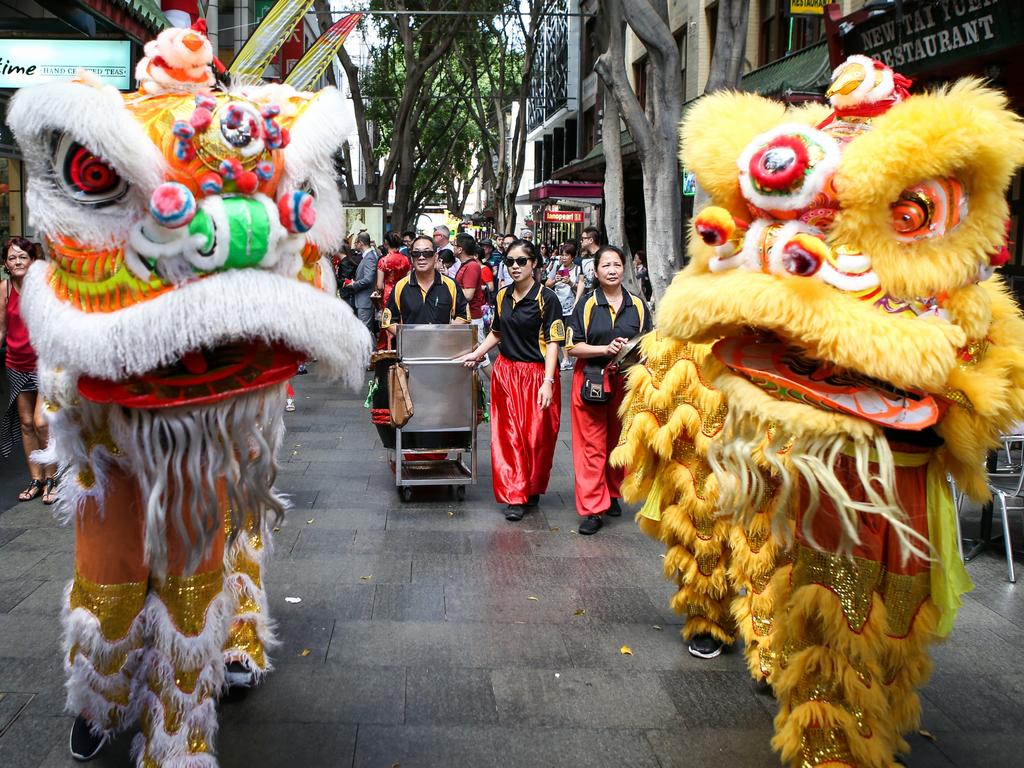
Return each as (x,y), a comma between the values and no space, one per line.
(237,675)
(515,512)
(84,746)
(704,646)
(533,501)
(591,524)
(614,510)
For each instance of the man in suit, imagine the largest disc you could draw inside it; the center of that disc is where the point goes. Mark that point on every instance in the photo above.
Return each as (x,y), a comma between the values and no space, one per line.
(365,281)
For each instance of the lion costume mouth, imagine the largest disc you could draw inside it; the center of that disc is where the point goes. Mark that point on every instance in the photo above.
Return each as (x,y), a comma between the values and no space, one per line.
(200,377)
(786,373)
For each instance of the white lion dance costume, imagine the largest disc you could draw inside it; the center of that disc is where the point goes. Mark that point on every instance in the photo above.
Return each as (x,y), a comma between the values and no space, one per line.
(860,351)
(182,290)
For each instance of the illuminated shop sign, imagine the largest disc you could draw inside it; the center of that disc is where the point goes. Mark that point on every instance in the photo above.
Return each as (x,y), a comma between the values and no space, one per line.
(31,62)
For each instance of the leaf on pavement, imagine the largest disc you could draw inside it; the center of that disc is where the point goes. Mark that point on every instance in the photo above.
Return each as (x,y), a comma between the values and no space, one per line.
(626,650)
(580,612)
(311,521)
(531,597)
(366,578)
(305,652)
(657,627)
(928,735)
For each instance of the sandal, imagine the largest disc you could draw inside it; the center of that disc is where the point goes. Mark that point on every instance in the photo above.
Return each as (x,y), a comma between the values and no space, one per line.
(49,495)
(35,488)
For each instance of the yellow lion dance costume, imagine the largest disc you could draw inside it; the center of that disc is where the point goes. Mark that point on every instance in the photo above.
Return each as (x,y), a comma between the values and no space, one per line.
(861,351)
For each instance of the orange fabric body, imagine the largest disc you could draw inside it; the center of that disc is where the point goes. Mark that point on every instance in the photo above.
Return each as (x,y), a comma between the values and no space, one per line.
(109,541)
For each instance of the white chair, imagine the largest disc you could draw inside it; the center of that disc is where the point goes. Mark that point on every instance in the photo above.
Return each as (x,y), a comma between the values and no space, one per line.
(1007,482)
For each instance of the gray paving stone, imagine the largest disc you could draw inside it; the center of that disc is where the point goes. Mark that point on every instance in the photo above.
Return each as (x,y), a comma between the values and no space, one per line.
(432,542)
(726,746)
(449,697)
(319,541)
(14,591)
(315,693)
(40,678)
(344,569)
(599,645)
(415,746)
(562,696)
(43,598)
(517,605)
(33,637)
(449,644)
(620,605)
(320,600)
(994,706)
(708,699)
(286,745)
(11,705)
(408,602)
(9,534)
(29,739)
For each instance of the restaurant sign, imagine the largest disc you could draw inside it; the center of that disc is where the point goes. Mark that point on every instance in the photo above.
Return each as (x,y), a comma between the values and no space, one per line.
(27,61)
(564,217)
(932,33)
(807,7)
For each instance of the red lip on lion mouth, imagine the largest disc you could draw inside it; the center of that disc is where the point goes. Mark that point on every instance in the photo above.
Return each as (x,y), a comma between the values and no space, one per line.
(201,377)
(786,373)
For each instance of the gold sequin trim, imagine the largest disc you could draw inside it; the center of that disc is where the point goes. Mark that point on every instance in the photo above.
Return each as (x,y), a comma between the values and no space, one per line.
(112,667)
(852,579)
(115,606)
(823,745)
(706,563)
(903,596)
(242,563)
(762,625)
(958,397)
(705,525)
(86,477)
(187,599)
(243,638)
(186,679)
(766,659)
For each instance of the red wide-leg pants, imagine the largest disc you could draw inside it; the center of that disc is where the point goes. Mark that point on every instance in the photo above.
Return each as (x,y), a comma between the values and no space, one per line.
(523,435)
(595,433)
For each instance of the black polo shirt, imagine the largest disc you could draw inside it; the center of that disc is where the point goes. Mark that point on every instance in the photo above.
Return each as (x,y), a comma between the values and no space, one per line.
(526,327)
(594,321)
(440,305)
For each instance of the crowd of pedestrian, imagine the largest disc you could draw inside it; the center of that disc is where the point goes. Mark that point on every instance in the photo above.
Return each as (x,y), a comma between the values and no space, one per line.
(544,307)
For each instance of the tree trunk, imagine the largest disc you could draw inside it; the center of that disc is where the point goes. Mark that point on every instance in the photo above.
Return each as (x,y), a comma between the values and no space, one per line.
(730,45)
(653,131)
(614,186)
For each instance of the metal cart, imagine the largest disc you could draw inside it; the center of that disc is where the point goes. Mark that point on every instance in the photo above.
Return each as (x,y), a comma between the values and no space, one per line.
(444,396)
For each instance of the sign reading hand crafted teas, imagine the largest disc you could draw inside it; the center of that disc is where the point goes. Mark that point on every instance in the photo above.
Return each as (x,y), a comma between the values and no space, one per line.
(31,62)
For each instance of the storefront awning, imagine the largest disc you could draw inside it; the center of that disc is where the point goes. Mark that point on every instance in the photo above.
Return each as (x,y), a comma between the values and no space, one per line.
(805,72)
(567,191)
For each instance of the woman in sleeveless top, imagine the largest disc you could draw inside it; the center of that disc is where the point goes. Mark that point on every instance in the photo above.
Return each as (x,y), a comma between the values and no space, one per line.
(23,416)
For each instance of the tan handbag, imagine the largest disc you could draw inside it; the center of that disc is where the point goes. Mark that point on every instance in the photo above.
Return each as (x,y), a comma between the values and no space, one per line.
(399,398)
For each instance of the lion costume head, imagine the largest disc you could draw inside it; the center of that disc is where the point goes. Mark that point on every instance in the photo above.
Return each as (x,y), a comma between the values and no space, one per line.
(183,286)
(844,274)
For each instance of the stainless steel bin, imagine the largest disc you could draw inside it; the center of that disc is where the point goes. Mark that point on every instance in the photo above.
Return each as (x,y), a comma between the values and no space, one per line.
(444,396)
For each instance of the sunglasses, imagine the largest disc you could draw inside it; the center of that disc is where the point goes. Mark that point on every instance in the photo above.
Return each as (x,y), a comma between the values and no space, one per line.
(521,261)
(423,254)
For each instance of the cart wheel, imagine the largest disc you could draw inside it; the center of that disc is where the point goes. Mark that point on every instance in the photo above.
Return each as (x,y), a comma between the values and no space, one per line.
(460,492)
(405,493)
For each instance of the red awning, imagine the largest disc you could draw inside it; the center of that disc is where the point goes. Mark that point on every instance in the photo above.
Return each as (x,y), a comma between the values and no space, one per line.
(566,189)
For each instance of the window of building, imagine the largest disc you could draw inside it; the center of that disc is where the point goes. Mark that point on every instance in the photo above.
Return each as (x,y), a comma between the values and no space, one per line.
(774,32)
(711,16)
(588,44)
(640,71)
(589,130)
(807,30)
(681,46)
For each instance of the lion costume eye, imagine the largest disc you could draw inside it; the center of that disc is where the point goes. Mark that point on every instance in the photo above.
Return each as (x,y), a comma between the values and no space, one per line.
(88,179)
(929,209)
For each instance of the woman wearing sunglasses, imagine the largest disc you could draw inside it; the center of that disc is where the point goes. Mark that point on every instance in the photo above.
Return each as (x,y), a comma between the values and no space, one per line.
(525,398)
(601,324)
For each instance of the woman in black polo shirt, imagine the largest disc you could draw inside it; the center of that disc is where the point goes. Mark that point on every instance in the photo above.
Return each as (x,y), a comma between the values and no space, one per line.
(602,322)
(526,401)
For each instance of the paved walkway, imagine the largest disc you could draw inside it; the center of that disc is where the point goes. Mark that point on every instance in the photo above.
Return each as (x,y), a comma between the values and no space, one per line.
(437,634)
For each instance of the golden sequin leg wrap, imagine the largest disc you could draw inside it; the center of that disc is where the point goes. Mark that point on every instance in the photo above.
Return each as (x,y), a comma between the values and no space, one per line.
(183,670)
(252,631)
(103,636)
(834,706)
